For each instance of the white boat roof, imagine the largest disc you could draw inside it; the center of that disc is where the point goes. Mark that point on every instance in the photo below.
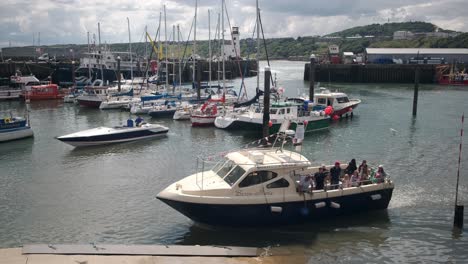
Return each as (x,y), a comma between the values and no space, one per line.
(267,158)
(327,93)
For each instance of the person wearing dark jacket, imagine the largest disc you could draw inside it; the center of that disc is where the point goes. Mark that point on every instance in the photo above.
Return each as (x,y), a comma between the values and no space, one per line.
(351,167)
(335,173)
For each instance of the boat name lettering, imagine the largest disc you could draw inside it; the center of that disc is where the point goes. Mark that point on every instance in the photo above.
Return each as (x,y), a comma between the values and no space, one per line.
(241,193)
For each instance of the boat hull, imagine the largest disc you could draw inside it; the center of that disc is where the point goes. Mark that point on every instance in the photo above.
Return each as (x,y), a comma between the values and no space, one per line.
(15,133)
(236,124)
(164,113)
(202,120)
(103,139)
(89,103)
(282,213)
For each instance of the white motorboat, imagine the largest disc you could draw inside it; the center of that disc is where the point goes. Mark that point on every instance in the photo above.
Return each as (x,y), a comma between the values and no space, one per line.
(183,112)
(264,186)
(118,134)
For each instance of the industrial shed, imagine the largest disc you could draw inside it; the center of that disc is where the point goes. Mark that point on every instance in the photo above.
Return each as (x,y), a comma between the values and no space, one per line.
(416,55)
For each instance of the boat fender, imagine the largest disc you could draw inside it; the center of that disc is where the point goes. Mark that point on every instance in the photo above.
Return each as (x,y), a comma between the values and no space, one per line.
(320,205)
(276,209)
(335,205)
(376,197)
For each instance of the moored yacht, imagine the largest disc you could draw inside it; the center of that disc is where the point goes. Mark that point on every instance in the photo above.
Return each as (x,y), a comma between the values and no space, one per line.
(260,186)
(12,128)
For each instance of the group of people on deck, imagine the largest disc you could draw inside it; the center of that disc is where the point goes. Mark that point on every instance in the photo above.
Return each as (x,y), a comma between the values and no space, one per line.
(337,177)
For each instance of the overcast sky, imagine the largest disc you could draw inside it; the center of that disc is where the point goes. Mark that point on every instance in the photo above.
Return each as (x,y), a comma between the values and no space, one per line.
(68,21)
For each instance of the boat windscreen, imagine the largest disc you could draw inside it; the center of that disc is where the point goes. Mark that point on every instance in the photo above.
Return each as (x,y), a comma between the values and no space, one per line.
(234,175)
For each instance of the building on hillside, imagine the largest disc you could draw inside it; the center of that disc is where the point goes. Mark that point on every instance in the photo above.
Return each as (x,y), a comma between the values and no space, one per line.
(416,55)
(349,57)
(398,35)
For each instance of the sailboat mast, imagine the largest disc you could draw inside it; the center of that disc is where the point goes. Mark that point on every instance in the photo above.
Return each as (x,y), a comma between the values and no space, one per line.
(219,43)
(180,58)
(194,41)
(89,63)
(99,49)
(222,49)
(173,60)
(209,48)
(165,40)
(146,51)
(130,47)
(258,47)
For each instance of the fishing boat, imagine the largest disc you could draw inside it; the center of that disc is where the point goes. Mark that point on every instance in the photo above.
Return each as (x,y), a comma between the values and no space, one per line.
(252,118)
(93,95)
(449,75)
(117,134)
(340,103)
(43,92)
(263,186)
(12,128)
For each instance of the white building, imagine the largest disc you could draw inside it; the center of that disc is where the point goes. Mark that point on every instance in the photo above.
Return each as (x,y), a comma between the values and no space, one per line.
(232,50)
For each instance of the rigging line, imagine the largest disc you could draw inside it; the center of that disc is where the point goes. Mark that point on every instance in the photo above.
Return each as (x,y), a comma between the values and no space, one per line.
(237,58)
(264,44)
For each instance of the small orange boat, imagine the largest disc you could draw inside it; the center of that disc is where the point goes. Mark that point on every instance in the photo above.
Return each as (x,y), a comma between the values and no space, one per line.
(43,92)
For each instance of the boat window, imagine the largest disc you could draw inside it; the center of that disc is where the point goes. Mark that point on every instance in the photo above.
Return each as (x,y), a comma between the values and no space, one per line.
(273,111)
(281,183)
(288,110)
(281,112)
(257,177)
(234,175)
(225,168)
(342,99)
(321,100)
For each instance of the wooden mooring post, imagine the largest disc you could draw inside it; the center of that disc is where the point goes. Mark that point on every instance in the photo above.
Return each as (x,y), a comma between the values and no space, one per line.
(311,77)
(458,219)
(266,105)
(416,90)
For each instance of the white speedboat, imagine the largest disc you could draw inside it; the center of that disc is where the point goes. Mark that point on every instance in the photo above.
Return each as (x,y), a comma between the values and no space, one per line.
(108,135)
(260,186)
(183,112)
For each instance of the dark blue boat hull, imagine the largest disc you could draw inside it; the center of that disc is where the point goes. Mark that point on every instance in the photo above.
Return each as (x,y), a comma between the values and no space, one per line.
(112,138)
(291,212)
(168,113)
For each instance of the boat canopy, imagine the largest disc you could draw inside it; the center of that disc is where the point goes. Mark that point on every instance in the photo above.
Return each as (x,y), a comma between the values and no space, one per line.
(249,102)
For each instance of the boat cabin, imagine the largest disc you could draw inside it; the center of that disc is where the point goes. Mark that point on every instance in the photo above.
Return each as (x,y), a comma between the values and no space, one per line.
(327,98)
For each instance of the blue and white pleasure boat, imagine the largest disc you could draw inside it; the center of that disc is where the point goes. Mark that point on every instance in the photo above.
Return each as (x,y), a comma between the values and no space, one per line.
(118,134)
(12,128)
(262,186)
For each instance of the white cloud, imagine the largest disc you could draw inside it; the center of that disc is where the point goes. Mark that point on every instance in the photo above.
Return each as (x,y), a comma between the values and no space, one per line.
(68,21)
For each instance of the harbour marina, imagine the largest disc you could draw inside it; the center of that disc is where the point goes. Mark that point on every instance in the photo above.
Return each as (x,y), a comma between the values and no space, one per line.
(64,196)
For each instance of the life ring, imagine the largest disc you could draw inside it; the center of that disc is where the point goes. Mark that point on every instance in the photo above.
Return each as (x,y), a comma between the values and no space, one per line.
(7,120)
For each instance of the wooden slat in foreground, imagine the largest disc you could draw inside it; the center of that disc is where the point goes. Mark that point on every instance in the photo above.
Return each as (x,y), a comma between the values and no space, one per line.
(150,250)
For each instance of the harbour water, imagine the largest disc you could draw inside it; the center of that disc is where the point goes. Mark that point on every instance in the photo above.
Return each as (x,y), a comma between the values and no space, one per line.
(53,193)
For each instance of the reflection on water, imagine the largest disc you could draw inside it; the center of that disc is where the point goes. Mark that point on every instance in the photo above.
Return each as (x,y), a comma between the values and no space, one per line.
(51,192)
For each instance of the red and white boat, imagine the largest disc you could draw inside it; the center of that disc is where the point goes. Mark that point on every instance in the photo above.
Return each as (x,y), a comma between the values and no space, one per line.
(43,92)
(340,102)
(207,113)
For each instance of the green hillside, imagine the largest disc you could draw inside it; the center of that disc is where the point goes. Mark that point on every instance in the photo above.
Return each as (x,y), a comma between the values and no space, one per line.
(284,48)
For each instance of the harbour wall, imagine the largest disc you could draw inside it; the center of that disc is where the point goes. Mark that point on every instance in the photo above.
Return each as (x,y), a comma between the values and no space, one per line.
(61,72)
(371,73)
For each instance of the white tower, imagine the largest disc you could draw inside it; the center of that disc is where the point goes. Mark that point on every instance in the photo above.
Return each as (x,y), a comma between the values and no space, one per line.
(233,50)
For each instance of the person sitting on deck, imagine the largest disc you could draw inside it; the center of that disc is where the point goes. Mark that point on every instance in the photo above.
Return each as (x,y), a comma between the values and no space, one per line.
(380,175)
(335,173)
(138,121)
(319,178)
(346,183)
(363,169)
(355,179)
(305,184)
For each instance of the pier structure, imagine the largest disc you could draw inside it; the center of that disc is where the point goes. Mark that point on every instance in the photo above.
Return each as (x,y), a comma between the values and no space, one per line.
(371,73)
(61,73)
